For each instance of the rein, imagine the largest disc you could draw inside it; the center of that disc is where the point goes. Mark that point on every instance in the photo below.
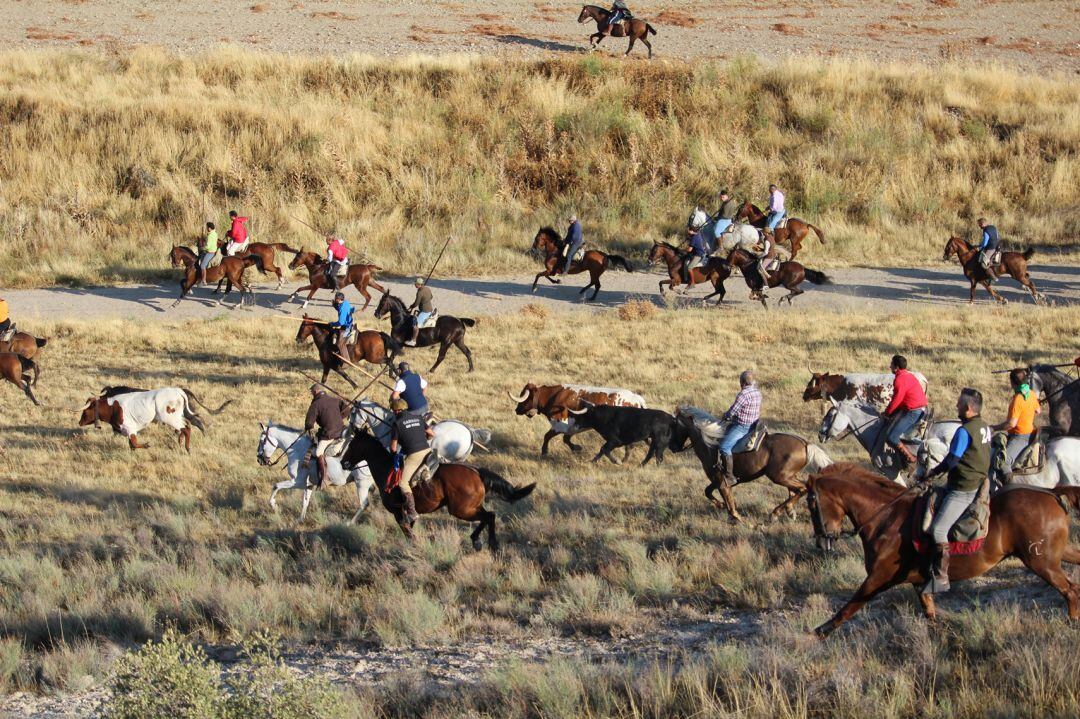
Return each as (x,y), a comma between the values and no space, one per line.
(919,489)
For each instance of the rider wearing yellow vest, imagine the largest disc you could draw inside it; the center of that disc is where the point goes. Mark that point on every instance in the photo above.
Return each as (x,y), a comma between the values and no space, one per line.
(5,317)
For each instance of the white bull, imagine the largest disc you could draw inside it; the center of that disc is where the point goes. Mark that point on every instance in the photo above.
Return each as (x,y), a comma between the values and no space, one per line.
(131,412)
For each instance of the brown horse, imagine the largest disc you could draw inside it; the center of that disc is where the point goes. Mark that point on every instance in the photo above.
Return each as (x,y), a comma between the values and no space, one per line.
(594,262)
(1026,523)
(789,274)
(634,29)
(266,251)
(458,487)
(25,344)
(714,270)
(1014,264)
(369,346)
(16,369)
(780,458)
(230,269)
(791,234)
(359,276)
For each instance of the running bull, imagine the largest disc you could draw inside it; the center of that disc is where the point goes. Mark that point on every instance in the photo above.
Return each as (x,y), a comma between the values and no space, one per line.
(129,411)
(556,401)
(625,426)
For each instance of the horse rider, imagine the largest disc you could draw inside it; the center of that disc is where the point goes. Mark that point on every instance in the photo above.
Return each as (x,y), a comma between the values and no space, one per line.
(743,413)
(337,256)
(619,12)
(424,305)
(967,463)
(411,387)
(764,257)
(906,409)
(988,245)
(6,325)
(409,438)
(574,241)
(208,249)
(725,216)
(237,234)
(343,325)
(775,208)
(1019,424)
(695,256)
(328,412)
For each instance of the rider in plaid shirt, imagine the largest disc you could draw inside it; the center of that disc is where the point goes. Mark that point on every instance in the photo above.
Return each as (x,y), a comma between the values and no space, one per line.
(744,411)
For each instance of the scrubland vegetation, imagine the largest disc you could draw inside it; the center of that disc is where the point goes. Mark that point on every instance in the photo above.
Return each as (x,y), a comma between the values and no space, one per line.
(102,549)
(110,159)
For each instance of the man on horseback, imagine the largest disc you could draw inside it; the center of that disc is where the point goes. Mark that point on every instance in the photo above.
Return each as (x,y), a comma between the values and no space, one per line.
(328,413)
(743,413)
(237,235)
(337,257)
(725,216)
(208,248)
(968,464)
(411,387)
(775,208)
(907,408)
(409,445)
(619,12)
(424,305)
(574,241)
(764,257)
(7,329)
(695,256)
(1020,422)
(343,325)
(988,247)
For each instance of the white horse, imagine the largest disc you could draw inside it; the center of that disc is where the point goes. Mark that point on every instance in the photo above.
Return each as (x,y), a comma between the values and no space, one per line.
(738,236)
(1062,467)
(867,424)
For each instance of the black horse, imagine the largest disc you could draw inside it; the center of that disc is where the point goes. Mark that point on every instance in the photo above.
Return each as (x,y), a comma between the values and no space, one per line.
(1061,392)
(447,330)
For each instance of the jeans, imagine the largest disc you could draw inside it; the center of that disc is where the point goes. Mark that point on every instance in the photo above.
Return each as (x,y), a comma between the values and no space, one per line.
(735,432)
(950,510)
(422,317)
(721,225)
(570,255)
(421,411)
(5,325)
(1015,445)
(774,219)
(205,259)
(905,422)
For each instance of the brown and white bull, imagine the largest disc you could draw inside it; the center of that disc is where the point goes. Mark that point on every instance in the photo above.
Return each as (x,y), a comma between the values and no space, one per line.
(129,411)
(872,389)
(556,401)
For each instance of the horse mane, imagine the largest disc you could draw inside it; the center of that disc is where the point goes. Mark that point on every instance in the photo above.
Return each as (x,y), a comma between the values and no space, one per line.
(856,473)
(551,232)
(709,427)
(673,248)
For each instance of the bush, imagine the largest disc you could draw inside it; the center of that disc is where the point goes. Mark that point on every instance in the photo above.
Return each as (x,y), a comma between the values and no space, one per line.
(169,679)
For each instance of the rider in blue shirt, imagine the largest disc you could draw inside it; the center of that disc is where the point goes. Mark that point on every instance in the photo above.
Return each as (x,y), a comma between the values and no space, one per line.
(988,245)
(344,323)
(697,254)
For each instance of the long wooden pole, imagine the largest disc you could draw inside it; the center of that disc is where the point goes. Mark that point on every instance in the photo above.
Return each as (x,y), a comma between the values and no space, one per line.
(309,226)
(437,259)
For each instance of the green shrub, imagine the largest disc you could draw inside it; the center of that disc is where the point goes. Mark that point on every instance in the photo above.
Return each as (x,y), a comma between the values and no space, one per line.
(169,679)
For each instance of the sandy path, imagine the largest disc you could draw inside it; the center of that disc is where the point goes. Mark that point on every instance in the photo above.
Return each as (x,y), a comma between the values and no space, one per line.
(1032,35)
(856,289)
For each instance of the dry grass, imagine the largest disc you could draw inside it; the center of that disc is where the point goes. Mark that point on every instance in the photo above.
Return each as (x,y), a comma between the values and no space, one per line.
(635,310)
(677,18)
(787,29)
(868,152)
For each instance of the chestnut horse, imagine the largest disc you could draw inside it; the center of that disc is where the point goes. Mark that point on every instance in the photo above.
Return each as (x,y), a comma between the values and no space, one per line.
(789,274)
(1013,264)
(458,487)
(714,270)
(359,276)
(791,234)
(16,369)
(1026,523)
(634,29)
(594,262)
(369,346)
(230,269)
(25,344)
(265,251)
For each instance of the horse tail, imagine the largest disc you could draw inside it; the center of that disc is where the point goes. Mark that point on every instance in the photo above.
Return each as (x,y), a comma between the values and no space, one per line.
(467,322)
(616,260)
(257,260)
(818,278)
(817,231)
(41,341)
(650,29)
(1028,253)
(192,397)
(391,344)
(284,248)
(1069,495)
(480,435)
(816,459)
(28,366)
(502,489)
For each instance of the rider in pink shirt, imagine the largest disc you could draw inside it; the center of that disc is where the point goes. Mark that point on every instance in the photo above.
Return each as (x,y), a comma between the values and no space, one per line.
(776,207)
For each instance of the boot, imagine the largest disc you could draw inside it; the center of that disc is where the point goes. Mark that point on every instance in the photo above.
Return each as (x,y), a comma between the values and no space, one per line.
(905,455)
(727,476)
(321,468)
(939,579)
(410,508)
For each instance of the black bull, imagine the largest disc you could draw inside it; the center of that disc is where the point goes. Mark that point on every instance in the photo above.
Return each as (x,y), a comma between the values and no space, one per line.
(624,426)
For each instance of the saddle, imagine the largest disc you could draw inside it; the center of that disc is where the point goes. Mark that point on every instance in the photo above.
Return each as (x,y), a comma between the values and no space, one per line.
(342,269)
(782,223)
(1030,460)
(753,439)
(427,469)
(578,256)
(993,258)
(338,446)
(969,532)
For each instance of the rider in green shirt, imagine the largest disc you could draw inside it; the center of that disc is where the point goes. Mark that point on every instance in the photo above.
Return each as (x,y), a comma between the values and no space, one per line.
(208,249)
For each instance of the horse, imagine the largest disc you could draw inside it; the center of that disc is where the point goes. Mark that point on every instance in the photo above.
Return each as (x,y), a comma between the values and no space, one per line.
(780,458)
(1061,467)
(458,487)
(1014,264)
(866,423)
(265,251)
(231,269)
(369,346)
(595,262)
(789,274)
(792,233)
(1029,524)
(25,344)
(1061,392)
(359,276)
(634,29)
(17,370)
(714,270)
(447,331)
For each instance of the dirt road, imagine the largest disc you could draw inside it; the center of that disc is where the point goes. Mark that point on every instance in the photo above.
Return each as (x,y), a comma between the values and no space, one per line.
(856,289)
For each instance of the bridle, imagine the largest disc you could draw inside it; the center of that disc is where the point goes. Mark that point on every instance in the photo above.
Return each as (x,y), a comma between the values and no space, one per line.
(830,417)
(825,539)
(263,439)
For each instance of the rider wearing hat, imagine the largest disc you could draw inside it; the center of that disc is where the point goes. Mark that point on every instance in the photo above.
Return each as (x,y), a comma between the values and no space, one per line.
(409,438)
(424,306)
(328,412)
(343,325)
(411,387)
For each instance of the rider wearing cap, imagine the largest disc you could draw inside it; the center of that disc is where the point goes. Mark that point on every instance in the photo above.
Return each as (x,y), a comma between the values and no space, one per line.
(411,387)
(424,305)
(343,325)
(409,438)
(328,413)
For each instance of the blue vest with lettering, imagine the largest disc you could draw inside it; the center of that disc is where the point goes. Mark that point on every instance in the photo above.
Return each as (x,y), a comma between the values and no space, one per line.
(414,393)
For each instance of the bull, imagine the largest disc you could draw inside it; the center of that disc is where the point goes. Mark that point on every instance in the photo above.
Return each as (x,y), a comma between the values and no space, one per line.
(872,389)
(625,426)
(555,402)
(129,411)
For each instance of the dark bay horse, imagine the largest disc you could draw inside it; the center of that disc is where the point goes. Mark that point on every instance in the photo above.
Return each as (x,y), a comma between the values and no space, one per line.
(1014,264)
(789,275)
(715,270)
(780,458)
(230,269)
(447,330)
(1060,391)
(458,487)
(369,346)
(17,369)
(634,29)
(359,276)
(791,234)
(595,262)
(1026,523)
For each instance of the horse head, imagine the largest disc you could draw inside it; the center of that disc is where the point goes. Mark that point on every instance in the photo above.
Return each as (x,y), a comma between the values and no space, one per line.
(586,13)
(302,259)
(547,240)
(267,445)
(179,256)
(307,328)
(824,516)
(384,305)
(656,253)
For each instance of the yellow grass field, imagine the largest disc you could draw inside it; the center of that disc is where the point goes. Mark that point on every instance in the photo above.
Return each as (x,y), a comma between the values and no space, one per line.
(101,547)
(110,159)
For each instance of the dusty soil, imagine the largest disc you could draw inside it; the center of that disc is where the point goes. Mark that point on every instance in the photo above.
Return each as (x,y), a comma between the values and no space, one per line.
(1030,35)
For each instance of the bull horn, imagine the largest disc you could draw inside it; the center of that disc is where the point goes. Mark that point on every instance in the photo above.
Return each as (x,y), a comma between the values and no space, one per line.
(522,398)
(577,411)
(808,367)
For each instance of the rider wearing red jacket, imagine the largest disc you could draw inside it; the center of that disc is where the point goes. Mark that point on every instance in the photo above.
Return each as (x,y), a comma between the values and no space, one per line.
(907,408)
(237,234)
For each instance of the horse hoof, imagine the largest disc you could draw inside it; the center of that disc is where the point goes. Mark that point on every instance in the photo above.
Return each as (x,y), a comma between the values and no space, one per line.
(477,545)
